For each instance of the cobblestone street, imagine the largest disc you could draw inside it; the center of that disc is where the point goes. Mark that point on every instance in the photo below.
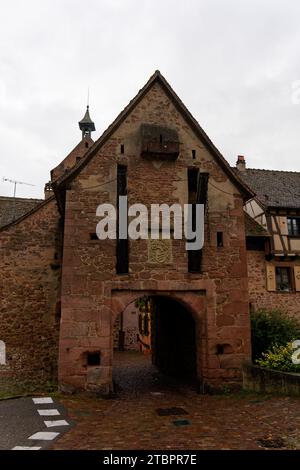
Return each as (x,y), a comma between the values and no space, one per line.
(130,419)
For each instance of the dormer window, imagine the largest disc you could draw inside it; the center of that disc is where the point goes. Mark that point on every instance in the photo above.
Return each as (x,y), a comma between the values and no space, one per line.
(293,226)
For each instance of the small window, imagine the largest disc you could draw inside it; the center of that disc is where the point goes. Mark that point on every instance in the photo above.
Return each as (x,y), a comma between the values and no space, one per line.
(283,279)
(93,358)
(122,243)
(194,154)
(224,349)
(220,239)
(192,183)
(293,226)
(122,148)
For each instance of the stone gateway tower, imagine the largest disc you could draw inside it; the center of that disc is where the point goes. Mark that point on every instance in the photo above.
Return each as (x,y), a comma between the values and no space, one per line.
(155,152)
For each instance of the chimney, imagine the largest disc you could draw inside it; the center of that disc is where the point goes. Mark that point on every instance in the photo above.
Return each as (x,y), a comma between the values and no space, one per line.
(241,163)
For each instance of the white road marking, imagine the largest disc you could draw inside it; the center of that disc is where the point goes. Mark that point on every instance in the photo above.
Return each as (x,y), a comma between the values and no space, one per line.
(40,401)
(44,436)
(48,412)
(25,448)
(52,424)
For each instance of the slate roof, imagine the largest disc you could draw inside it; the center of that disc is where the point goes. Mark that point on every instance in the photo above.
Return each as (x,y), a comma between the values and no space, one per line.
(86,121)
(11,209)
(274,188)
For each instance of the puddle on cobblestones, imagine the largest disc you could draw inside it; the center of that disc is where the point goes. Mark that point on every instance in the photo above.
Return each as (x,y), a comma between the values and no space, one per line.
(171,411)
(181,422)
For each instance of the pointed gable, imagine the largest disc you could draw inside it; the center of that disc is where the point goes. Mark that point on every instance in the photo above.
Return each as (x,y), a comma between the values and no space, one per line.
(72,158)
(181,108)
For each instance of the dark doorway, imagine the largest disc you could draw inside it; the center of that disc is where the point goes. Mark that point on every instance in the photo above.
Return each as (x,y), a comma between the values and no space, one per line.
(174,339)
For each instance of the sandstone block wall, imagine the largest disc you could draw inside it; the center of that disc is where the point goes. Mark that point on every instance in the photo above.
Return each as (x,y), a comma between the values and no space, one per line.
(30,253)
(90,286)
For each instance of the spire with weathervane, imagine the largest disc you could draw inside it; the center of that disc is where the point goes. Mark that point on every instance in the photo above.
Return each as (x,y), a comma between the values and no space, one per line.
(86,125)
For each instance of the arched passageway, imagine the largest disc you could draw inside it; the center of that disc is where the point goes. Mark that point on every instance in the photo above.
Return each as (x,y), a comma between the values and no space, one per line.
(154,345)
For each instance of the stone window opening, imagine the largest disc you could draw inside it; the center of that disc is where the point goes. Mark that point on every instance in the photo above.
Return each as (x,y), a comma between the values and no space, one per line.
(58,311)
(220,242)
(122,148)
(93,236)
(224,349)
(193,154)
(93,358)
(122,265)
(197,194)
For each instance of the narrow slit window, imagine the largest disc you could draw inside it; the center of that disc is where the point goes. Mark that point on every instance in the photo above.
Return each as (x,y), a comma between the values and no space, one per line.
(220,242)
(194,256)
(197,188)
(122,148)
(194,154)
(122,244)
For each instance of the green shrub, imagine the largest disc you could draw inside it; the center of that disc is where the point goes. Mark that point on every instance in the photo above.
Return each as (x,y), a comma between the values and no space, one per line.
(270,328)
(279,358)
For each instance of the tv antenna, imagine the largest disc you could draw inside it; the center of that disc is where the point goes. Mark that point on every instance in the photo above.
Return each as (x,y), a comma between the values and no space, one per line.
(15,184)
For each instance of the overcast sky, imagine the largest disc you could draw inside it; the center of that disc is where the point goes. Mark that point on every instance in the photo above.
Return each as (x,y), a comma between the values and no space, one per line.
(233,63)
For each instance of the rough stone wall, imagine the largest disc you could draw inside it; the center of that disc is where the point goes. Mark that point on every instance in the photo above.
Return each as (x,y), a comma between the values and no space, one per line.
(288,302)
(29,310)
(89,280)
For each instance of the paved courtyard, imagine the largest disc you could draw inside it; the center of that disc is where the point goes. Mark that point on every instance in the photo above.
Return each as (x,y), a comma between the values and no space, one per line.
(130,419)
